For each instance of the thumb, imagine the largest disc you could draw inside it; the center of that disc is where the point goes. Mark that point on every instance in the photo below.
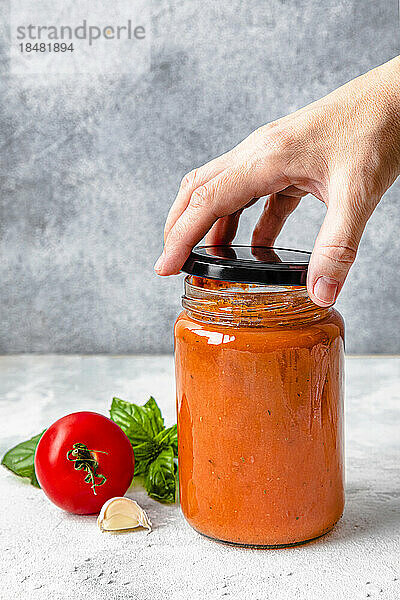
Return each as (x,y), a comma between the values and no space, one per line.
(334,252)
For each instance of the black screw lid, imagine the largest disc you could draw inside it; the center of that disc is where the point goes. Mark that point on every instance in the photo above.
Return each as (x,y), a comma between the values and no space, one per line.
(249,264)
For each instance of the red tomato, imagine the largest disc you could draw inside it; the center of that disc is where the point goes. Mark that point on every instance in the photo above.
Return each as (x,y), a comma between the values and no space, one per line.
(82,460)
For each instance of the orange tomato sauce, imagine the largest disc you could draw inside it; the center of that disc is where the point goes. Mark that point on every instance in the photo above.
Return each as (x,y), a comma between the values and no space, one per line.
(260,425)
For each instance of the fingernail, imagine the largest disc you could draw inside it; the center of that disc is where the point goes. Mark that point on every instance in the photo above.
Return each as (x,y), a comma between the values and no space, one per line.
(325,289)
(159,263)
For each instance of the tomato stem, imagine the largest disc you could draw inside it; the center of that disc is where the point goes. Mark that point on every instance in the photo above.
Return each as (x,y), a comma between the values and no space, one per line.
(84,459)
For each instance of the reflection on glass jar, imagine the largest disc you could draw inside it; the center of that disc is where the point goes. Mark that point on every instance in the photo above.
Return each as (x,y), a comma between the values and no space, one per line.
(259,373)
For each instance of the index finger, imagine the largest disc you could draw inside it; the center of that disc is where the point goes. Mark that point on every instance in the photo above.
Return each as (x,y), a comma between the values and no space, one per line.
(225,194)
(190,182)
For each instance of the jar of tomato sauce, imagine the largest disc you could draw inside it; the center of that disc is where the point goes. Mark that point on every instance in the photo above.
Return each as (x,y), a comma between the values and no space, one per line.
(259,374)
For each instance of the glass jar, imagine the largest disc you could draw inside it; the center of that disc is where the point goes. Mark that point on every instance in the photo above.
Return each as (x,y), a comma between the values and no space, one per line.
(259,373)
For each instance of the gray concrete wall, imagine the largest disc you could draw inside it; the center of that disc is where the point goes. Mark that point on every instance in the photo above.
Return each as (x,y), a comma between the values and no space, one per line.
(90,165)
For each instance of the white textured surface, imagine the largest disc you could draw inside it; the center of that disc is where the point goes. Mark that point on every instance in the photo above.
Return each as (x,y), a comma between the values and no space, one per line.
(46,553)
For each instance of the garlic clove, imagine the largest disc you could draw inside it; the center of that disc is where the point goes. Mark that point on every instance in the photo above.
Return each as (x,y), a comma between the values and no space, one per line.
(122,513)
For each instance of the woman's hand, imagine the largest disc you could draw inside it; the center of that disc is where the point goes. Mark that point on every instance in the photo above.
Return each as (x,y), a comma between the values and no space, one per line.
(344,149)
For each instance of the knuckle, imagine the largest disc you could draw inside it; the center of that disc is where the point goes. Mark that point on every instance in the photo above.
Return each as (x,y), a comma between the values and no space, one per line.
(281,139)
(200,198)
(271,125)
(257,136)
(339,253)
(260,132)
(189,180)
(276,140)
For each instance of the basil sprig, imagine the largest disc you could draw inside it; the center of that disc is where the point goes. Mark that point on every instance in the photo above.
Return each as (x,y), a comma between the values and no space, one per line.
(20,459)
(154,446)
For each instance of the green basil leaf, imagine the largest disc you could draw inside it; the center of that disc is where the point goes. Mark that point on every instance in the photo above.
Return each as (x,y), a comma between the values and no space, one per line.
(160,481)
(140,423)
(145,454)
(154,446)
(20,459)
(168,437)
(141,467)
(158,421)
(148,451)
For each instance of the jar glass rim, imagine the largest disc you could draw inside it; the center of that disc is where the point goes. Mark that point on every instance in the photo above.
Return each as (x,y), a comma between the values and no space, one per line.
(248,304)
